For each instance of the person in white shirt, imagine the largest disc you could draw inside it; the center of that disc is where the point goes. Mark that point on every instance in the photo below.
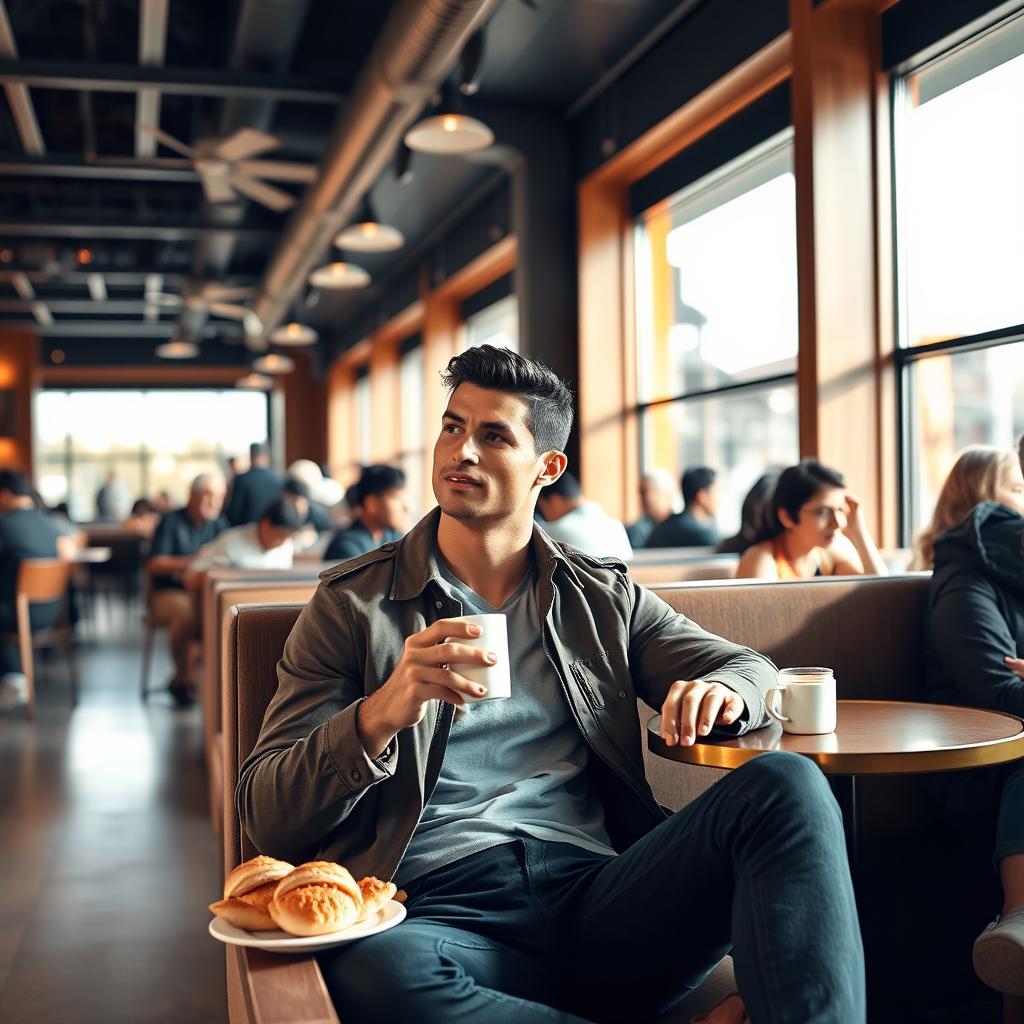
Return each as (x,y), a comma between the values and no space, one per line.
(266,544)
(571,519)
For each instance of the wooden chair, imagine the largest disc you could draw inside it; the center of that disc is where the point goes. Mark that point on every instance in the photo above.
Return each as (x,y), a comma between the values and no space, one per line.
(42,581)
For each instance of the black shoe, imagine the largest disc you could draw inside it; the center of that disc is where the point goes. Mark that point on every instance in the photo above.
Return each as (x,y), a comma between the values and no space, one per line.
(181,694)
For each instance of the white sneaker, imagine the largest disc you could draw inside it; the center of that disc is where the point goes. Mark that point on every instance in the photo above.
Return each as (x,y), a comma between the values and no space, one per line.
(999,953)
(13,691)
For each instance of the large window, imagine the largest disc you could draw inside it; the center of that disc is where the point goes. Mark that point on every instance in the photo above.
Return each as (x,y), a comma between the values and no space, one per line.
(414,452)
(497,325)
(153,440)
(960,218)
(717,338)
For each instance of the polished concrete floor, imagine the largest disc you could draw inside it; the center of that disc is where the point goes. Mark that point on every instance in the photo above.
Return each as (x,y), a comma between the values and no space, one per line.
(107,857)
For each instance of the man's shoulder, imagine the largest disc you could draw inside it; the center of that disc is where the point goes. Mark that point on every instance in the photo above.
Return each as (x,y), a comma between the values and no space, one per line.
(366,566)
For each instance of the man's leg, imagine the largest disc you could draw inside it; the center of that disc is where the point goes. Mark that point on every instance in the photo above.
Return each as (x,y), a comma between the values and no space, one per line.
(174,609)
(476,947)
(429,972)
(757,862)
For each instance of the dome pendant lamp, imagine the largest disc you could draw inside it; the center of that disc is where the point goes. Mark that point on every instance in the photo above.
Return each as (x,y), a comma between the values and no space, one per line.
(449,130)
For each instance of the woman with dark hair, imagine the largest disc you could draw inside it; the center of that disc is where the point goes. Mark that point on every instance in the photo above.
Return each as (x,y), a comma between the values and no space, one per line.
(755,514)
(815,528)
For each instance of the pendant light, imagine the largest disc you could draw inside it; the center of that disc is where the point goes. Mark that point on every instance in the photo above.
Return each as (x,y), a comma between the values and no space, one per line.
(177,349)
(273,363)
(368,234)
(449,130)
(293,335)
(255,381)
(339,274)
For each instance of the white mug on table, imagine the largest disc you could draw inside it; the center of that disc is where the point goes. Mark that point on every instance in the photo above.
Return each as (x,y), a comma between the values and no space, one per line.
(493,637)
(804,701)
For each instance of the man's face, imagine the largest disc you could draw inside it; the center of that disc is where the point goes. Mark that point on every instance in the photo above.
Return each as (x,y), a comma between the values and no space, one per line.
(655,500)
(273,536)
(208,501)
(485,466)
(709,499)
(389,510)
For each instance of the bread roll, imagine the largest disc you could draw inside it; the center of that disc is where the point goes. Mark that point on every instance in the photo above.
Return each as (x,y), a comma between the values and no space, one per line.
(247,892)
(375,895)
(315,899)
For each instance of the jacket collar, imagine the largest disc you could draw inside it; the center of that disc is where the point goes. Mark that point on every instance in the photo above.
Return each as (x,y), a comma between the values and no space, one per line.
(416,561)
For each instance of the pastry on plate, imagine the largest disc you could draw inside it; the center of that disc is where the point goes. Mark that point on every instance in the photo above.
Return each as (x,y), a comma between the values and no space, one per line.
(248,891)
(317,898)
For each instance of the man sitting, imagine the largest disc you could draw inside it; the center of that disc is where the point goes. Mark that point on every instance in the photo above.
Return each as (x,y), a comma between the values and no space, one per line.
(544,882)
(179,536)
(382,516)
(25,532)
(254,490)
(694,527)
(571,519)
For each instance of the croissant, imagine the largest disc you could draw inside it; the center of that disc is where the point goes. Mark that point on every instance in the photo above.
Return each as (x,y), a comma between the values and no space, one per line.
(248,891)
(375,895)
(315,899)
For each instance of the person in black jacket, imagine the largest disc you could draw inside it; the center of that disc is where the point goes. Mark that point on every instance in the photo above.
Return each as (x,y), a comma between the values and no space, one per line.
(254,491)
(383,514)
(975,656)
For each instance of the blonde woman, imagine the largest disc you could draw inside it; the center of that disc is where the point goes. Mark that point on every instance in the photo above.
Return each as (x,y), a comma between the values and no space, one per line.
(980,473)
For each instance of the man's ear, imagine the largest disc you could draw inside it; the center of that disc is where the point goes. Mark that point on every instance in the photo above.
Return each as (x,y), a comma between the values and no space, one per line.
(554,464)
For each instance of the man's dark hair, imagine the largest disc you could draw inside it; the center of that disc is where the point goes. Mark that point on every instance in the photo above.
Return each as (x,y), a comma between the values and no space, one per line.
(16,482)
(548,400)
(282,515)
(258,450)
(378,480)
(296,488)
(695,480)
(567,486)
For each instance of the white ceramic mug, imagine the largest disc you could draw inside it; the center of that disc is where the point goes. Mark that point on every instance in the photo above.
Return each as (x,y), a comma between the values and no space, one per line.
(497,677)
(804,700)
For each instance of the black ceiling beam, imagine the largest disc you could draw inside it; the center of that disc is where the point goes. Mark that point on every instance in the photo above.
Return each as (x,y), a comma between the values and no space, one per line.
(14,164)
(106,77)
(143,232)
(68,307)
(112,277)
(112,328)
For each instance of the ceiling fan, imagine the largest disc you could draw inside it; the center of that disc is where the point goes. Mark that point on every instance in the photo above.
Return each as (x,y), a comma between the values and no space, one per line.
(199,296)
(227,169)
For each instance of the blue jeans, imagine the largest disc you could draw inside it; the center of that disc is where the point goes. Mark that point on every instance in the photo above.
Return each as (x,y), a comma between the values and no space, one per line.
(535,931)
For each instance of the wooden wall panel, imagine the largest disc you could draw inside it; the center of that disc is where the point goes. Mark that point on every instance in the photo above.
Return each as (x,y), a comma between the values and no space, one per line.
(19,354)
(835,75)
(305,413)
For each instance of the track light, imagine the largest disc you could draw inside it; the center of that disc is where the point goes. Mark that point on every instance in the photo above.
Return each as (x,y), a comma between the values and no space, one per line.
(449,130)
(368,234)
(470,63)
(403,164)
(177,349)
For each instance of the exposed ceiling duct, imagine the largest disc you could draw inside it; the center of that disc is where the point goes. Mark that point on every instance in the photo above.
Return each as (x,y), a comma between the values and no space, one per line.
(416,49)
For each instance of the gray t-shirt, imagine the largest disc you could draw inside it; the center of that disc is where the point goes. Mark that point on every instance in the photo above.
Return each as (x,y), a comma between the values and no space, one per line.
(512,767)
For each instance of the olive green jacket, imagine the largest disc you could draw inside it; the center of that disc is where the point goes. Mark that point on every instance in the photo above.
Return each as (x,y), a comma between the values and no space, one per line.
(310,790)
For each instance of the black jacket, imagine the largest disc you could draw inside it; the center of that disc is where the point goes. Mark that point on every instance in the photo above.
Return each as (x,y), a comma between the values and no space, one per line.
(976,611)
(251,493)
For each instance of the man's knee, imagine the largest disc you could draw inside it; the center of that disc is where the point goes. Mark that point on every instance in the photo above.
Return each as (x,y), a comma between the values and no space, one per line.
(784,778)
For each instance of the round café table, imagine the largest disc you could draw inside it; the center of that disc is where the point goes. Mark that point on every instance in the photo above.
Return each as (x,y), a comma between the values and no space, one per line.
(872,737)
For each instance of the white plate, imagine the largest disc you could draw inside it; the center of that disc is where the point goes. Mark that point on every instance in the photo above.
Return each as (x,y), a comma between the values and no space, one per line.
(277,941)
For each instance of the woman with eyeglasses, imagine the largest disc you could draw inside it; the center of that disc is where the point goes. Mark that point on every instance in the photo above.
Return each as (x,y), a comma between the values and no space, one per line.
(816,528)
